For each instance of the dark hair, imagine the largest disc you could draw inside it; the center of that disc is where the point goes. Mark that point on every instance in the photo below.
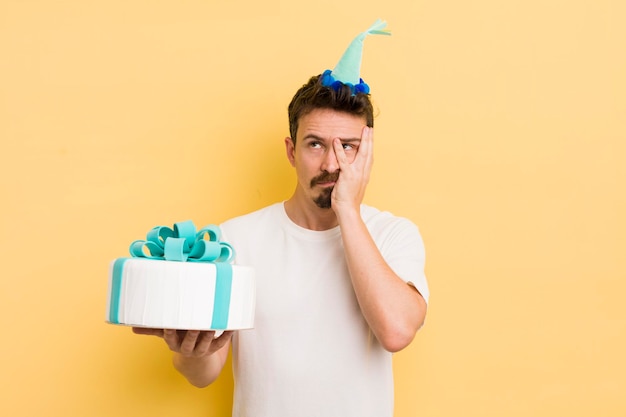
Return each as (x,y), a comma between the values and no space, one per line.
(313,95)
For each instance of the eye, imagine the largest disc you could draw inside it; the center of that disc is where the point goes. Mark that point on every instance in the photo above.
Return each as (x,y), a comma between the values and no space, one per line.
(348,146)
(315,145)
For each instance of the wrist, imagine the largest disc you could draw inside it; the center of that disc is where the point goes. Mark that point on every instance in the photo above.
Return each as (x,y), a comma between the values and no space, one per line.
(347,213)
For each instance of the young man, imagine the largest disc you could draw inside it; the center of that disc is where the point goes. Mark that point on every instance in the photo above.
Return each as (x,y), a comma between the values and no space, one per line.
(340,285)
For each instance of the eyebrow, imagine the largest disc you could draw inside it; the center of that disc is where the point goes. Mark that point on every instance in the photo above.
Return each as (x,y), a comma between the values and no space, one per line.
(312,136)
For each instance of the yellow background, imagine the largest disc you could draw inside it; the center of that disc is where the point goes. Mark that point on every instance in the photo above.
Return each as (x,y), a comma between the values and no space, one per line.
(501,132)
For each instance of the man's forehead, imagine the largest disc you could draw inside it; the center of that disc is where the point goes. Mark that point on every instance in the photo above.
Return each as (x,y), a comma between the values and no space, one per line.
(322,123)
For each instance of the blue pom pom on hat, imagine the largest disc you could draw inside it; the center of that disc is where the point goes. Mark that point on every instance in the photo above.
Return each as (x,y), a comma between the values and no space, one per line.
(348,69)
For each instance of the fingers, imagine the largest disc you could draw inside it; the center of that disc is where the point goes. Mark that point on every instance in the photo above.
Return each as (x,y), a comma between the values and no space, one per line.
(367,134)
(364,153)
(183,342)
(221,341)
(148,332)
(207,343)
(197,343)
(366,146)
(188,343)
(171,338)
(194,343)
(340,153)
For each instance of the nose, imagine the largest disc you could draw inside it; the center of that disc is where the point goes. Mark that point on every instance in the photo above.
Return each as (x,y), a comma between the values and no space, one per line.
(329,163)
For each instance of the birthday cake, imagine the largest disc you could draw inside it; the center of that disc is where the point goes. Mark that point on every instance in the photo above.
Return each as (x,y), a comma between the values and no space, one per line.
(181,279)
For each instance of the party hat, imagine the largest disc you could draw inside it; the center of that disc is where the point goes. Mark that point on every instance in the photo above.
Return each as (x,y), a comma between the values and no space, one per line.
(348,69)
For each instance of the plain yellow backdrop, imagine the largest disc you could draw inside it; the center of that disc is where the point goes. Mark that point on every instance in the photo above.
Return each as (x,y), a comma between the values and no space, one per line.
(500,131)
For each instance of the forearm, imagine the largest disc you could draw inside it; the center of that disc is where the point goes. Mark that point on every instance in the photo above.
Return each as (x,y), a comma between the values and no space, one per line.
(393,309)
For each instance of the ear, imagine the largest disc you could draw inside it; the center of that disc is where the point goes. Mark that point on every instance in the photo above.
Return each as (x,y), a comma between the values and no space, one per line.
(290,149)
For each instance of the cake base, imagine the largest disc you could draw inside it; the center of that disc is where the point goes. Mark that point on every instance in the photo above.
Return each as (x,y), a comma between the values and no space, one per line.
(180,295)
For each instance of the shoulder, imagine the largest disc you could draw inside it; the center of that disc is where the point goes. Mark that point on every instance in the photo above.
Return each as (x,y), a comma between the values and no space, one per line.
(249,222)
(379,221)
(394,235)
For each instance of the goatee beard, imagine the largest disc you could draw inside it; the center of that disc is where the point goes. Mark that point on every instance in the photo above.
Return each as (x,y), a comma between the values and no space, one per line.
(323,200)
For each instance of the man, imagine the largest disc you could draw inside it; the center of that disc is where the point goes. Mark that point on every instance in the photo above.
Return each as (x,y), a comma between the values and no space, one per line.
(340,285)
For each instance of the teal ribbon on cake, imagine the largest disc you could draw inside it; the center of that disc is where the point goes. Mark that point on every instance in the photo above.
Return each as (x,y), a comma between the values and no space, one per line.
(183,243)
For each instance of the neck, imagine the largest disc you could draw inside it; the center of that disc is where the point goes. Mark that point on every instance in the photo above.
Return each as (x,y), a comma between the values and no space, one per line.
(308,215)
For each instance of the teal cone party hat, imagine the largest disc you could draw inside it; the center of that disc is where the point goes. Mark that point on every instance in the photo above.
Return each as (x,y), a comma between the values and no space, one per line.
(348,69)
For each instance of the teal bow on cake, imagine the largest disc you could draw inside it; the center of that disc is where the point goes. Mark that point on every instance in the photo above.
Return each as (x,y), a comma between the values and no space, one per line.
(183,243)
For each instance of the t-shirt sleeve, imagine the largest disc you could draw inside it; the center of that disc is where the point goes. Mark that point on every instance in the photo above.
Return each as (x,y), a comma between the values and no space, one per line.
(403,249)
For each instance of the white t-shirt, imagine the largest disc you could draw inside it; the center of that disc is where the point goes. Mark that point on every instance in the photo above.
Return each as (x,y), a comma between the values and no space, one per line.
(311,352)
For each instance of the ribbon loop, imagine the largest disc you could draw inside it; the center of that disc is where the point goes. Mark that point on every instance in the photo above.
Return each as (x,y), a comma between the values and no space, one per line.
(183,244)
(176,249)
(227,253)
(185,230)
(205,251)
(212,231)
(155,251)
(159,234)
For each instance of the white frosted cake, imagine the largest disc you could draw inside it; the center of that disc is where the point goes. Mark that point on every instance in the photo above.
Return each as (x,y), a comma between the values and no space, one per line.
(202,293)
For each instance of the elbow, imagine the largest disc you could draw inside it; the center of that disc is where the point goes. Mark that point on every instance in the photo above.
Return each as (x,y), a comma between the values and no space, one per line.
(394,340)
(394,346)
(399,334)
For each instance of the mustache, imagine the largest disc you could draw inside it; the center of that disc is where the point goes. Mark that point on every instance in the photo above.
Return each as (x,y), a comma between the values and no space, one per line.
(325,177)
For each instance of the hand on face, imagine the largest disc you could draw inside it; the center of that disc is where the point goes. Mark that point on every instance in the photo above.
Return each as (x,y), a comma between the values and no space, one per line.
(354,175)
